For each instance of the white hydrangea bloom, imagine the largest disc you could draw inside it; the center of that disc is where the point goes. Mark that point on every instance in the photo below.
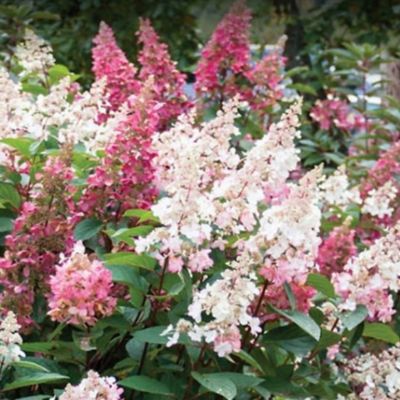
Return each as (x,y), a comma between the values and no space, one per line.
(10,341)
(375,376)
(34,54)
(212,193)
(336,190)
(378,201)
(94,387)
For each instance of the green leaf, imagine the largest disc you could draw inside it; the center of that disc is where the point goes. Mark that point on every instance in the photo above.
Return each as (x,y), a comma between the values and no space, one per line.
(143,215)
(30,365)
(145,384)
(353,318)
(381,331)
(302,88)
(124,233)
(9,194)
(290,295)
(38,397)
(21,144)
(216,383)
(34,88)
(6,224)
(35,379)
(291,338)
(130,259)
(322,284)
(303,321)
(247,358)
(87,228)
(241,381)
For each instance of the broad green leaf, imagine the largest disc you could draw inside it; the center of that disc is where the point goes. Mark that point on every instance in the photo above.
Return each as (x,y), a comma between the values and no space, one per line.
(123,233)
(381,331)
(142,215)
(130,259)
(21,144)
(303,321)
(34,88)
(145,384)
(247,358)
(322,284)
(30,365)
(327,339)
(291,338)
(216,383)
(87,228)
(353,318)
(35,379)
(9,194)
(302,88)
(241,381)
(154,335)
(38,397)
(6,224)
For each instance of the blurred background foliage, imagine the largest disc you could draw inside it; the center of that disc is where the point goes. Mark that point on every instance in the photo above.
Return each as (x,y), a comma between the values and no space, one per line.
(311,25)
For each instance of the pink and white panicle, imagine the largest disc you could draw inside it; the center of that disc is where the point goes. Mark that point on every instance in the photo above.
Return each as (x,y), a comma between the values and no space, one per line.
(80,290)
(226,56)
(168,82)
(94,387)
(212,193)
(368,278)
(110,62)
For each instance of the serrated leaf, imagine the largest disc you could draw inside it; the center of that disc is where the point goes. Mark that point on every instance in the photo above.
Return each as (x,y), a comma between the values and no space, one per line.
(216,383)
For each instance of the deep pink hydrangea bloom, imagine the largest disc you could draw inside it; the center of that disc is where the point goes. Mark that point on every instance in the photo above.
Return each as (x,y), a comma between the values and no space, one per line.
(109,61)
(334,112)
(266,78)
(41,232)
(336,250)
(168,82)
(80,290)
(226,57)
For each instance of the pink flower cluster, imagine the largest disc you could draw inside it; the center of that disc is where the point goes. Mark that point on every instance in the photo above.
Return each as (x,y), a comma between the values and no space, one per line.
(168,82)
(110,62)
(93,387)
(41,232)
(333,112)
(336,250)
(266,79)
(226,55)
(80,290)
(225,68)
(369,277)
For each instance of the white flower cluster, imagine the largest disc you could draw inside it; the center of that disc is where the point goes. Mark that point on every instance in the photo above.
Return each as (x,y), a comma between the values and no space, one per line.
(34,54)
(76,121)
(378,202)
(10,341)
(210,194)
(375,377)
(336,190)
(94,387)
(368,278)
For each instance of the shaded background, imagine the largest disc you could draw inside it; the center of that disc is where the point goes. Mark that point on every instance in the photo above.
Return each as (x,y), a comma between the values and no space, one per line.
(185,25)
